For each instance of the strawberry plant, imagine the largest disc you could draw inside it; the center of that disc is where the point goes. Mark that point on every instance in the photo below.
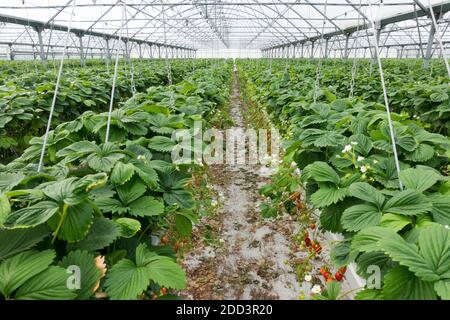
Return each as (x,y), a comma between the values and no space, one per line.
(100,208)
(344,156)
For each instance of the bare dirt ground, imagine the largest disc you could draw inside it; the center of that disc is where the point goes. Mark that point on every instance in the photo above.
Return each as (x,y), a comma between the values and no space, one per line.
(251,258)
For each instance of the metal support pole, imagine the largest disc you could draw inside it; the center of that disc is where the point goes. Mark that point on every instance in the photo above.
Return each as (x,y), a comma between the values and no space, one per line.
(301,54)
(312,50)
(428,53)
(80,38)
(159,52)
(401,51)
(346,52)
(140,50)
(127,55)
(108,49)
(41,44)
(11,52)
(326,48)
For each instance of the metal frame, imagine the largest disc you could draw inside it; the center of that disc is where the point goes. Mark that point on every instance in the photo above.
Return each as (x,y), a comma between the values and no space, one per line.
(279,28)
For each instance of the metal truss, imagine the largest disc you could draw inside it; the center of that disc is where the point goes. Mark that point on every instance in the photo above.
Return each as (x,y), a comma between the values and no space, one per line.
(279,28)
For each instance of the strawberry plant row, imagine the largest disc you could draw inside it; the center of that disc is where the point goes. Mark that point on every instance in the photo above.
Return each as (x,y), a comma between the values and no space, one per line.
(339,156)
(24,109)
(424,95)
(100,209)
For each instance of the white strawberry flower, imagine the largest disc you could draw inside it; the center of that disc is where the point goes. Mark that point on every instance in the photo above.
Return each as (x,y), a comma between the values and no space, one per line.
(363,169)
(316,289)
(308,278)
(347,148)
(359,159)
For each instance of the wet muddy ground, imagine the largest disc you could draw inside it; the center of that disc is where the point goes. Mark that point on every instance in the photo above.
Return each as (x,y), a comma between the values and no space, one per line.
(252,257)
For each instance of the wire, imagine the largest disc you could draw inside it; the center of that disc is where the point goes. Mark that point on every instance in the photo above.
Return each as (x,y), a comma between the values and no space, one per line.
(113,89)
(319,64)
(55,94)
(169,70)
(439,37)
(386,101)
(354,66)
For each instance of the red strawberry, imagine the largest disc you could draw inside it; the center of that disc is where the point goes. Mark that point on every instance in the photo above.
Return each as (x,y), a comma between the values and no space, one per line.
(339,276)
(312,226)
(307,242)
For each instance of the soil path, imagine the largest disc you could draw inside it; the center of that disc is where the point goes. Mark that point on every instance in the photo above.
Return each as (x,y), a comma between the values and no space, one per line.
(250,257)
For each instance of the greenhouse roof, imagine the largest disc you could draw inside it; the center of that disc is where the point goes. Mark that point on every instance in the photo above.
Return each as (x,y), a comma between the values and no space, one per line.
(219,24)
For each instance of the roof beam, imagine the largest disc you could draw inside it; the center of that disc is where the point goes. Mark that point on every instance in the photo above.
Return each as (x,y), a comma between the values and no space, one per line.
(43,25)
(438,8)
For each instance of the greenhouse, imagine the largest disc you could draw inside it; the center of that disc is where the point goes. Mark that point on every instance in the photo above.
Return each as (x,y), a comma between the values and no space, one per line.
(224,150)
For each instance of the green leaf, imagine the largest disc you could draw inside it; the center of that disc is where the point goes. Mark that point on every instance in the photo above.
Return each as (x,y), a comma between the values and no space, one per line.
(395,222)
(146,173)
(369,294)
(183,225)
(407,255)
(18,240)
(63,191)
(165,272)
(422,153)
(48,285)
(128,227)
(340,254)
(434,244)
(440,208)
(360,216)
(419,179)
(122,173)
(9,180)
(408,202)
(131,191)
(103,163)
(409,143)
(162,144)
(5,208)
(400,284)
(102,233)
(328,195)
(31,216)
(76,224)
(368,260)
(368,239)
(110,205)
(333,290)
(438,96)
(89,273)
(180,197)
(364,145)
(330,217)
(322,172)
(145,207)
(364,191)
(442,288)
(19,269)
(125,281)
